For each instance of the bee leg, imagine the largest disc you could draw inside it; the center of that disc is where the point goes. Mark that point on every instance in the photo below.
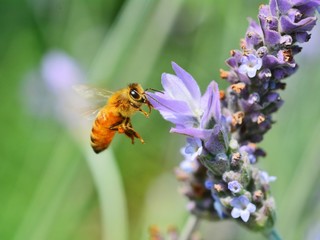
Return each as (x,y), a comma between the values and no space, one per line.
(133,134)
(118,126)
(144,112)
(149,106)
(130,135)
(130,132)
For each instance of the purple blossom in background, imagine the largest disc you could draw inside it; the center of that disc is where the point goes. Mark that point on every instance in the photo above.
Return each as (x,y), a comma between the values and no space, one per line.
(227,125)
(50,88)
(60,71)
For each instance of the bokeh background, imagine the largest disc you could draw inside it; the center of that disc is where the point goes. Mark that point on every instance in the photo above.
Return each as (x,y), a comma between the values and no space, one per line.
(52,186)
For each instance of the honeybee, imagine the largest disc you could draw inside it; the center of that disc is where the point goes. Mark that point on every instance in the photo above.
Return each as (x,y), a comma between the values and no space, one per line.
(115,115)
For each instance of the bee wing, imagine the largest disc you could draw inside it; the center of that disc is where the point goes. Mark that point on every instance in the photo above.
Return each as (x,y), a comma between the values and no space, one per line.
(89,113)
(93,93)
(95,98)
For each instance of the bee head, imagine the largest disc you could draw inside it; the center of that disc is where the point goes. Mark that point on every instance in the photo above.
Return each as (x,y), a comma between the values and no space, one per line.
(136,93)
(138,97)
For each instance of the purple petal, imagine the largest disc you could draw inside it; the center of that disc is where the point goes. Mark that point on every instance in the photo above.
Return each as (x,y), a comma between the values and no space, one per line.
(272,96)
(255,26)
(310,3)
(245,215)
(243,200)
(254,34)
(232,62)
(243,69)
(284,6)
(193,132)
(270,61)
(251,207)
(215,143)
(288,26)
(235,213)
(264,10)
(167,105)
(269,27)
(302,37)
(286,40)
(181,121)
(211,99)
(219,208)
(251,72)
(235,59)
(188,81)
(251,58)
(244,78)
(273,7)
(175,88)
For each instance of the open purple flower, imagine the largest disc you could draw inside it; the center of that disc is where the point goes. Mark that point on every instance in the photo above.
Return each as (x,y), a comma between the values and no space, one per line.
(234,186)
(250,65)
(265,178)
(242,207)
(182,104)
(190,152)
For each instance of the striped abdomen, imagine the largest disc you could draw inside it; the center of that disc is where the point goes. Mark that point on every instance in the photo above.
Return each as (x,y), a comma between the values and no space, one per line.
(101,134)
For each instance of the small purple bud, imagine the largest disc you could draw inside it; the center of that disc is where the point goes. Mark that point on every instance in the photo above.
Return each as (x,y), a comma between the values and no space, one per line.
(254,98)
(262,51)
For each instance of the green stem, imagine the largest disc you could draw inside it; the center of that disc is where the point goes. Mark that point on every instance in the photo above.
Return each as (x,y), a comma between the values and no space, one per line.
(189,227)
(273,235)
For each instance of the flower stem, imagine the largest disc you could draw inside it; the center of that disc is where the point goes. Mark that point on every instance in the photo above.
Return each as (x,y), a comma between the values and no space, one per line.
(189,227)
(273,235)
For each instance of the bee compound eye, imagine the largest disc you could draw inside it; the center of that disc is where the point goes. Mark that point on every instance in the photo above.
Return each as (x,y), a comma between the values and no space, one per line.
(135,94)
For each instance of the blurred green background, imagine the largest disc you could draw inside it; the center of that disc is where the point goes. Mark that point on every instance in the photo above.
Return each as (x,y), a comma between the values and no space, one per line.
(54,187)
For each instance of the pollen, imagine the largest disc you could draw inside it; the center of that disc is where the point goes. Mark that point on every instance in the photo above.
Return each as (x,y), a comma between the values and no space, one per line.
(218,187)
(238,87)
(252,145)
(287,55)
(269,19)
(236,156)
(222,95)
(258,196)
(181,175)
(250,34)
(243,44)
(237,118)
(224,74)
(261,119)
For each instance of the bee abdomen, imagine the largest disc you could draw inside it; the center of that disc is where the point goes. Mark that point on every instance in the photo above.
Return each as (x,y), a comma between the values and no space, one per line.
(101,136)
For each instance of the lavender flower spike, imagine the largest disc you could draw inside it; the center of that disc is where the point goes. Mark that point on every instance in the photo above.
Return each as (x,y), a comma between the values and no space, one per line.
(223,180)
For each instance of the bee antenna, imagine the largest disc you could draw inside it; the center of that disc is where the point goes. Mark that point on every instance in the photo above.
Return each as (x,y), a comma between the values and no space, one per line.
(158,101)
(154,90)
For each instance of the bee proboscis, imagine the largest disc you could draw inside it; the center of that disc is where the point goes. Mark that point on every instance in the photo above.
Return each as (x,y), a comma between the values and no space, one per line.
(115,115)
